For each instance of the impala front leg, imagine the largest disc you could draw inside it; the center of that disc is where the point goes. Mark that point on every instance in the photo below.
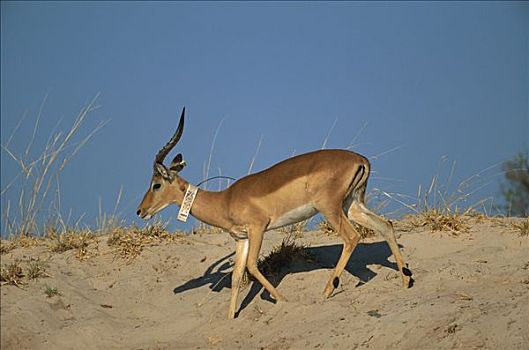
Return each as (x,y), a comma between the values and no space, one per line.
(241,255)
(255,247)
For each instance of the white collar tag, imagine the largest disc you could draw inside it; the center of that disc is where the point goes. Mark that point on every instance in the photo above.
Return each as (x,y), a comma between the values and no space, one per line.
(187,203)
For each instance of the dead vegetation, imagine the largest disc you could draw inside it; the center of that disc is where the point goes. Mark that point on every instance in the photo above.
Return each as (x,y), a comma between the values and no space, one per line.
(325,227)
(522,227)
(40,166)
(71,239)
(6,246)
(295,230)
(37,269)
(78,241)
(22,241)
(283,255)
(437,220)
(280,258)
(12,274)
(128,242)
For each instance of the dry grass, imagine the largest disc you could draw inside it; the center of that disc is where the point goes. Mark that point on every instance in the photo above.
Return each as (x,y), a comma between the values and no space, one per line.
(437,220)
(325,227)
(71,239)
(37,269)
(444,206)
(12,274)
(295,230)
(6,246)
(80,241)
(128,242)
(18,242)
(280,257)
(283,255)
(522,227)
(40,169)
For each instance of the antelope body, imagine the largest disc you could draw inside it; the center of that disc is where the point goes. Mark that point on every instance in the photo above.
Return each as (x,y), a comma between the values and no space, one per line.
(331,182)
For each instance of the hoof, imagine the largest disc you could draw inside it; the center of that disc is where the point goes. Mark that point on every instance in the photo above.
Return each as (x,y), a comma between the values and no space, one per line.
(335,282)
(406,271)
(407,282)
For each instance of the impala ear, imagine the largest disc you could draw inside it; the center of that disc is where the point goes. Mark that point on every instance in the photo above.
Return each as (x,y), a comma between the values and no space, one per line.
(178,163)
(162,170)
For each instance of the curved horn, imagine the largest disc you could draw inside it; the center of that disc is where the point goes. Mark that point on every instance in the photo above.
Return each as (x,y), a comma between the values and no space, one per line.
(172,142)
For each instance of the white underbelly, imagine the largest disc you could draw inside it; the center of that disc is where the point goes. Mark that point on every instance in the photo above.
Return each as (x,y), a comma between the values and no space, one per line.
(293,216)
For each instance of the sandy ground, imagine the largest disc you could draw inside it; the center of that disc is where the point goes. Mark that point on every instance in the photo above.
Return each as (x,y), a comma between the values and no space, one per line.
(471,292)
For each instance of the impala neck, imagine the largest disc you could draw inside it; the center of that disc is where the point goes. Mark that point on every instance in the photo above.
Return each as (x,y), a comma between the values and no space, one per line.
(209,207)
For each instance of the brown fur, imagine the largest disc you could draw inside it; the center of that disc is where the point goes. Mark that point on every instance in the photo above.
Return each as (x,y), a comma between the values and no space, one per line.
(333,182)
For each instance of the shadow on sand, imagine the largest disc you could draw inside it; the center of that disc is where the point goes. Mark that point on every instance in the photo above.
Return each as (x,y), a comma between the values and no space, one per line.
(218,276)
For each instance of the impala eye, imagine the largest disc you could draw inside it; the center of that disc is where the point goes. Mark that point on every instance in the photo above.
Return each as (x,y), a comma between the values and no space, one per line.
(156,187)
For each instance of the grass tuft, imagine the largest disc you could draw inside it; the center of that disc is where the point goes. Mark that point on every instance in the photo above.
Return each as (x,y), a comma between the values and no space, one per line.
(51,291)
(295,230)
(437,220)
(6,246)
(443,205)
(325,227)
(22,241)
(12,274)
(522,227)
(73,240)
(128,242)
(36,269)
(283,255)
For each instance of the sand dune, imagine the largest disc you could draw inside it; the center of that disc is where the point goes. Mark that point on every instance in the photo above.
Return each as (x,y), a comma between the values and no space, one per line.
(471,292)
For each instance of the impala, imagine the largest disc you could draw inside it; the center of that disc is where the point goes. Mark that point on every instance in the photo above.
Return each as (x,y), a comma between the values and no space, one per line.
(331,182)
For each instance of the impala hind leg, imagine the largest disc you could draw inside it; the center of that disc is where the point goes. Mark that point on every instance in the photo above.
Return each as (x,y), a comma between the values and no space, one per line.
(241,256)
(350,237)
(255,247)
(359,213)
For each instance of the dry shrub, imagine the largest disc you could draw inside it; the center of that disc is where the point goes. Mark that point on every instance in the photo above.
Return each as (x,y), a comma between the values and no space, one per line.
(22,241)
(327,229)
(477,217)
(6,246)
(128,242)
(12,274)
(283,255)
(26,241)
(72,240)
(522,227)
(295,230)
(36,269)
(436,220)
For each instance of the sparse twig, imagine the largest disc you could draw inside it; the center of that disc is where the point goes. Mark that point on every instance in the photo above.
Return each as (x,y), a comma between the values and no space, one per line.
(41,173)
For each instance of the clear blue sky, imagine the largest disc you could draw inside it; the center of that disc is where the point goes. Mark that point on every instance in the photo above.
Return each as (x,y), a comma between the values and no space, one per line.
(430,79)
